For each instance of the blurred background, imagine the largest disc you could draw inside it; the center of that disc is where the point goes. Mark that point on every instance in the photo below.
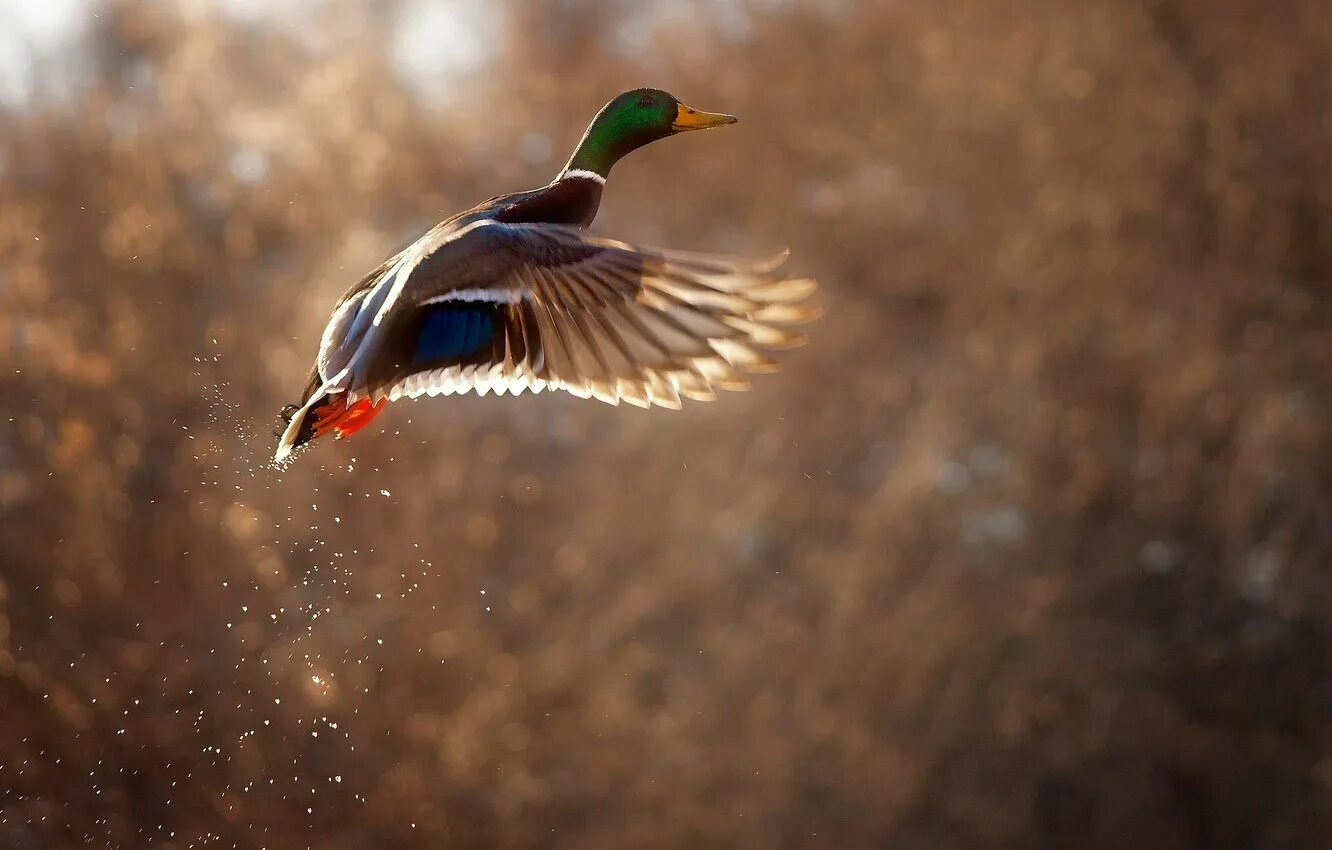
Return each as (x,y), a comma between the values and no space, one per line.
(1029,548)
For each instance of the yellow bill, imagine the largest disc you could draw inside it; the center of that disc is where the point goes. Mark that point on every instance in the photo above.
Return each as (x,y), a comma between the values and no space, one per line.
(689,118)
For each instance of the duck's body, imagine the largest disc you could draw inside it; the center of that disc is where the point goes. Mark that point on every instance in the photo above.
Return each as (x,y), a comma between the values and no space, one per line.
(512,295)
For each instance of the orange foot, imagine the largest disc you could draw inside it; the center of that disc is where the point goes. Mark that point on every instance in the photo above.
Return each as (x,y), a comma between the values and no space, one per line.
(336,416)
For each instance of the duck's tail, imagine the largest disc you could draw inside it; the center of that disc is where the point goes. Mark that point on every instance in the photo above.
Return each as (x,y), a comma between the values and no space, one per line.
(324,413)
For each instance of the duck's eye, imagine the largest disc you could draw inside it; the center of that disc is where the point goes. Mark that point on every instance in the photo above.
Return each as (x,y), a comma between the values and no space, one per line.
(645,100)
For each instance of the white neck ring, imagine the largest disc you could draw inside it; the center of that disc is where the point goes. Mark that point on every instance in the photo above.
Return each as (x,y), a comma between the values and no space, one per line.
(581,174)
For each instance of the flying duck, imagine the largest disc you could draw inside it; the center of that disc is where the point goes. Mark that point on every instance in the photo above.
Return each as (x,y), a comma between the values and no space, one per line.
(515,295)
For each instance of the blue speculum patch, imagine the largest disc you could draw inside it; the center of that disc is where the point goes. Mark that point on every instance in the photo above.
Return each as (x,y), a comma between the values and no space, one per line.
(454,332)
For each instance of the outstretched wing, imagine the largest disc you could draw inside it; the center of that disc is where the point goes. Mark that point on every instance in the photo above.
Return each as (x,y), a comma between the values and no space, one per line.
(509,307)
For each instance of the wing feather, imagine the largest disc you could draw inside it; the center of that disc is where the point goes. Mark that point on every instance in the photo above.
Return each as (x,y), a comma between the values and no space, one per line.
(592,316)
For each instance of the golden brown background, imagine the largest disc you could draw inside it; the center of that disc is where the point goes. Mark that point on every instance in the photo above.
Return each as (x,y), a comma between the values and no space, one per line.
(1029,548)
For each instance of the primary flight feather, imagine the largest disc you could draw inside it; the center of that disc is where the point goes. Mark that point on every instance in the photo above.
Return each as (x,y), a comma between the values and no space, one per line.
(514,295)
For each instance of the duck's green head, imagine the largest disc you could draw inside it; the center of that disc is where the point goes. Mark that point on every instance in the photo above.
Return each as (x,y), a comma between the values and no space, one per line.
(632,120)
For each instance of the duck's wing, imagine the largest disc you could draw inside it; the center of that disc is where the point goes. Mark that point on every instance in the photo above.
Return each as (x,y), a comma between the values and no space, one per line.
(509,307)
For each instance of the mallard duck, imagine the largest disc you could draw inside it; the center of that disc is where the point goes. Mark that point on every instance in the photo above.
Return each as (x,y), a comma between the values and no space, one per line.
(514,295)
